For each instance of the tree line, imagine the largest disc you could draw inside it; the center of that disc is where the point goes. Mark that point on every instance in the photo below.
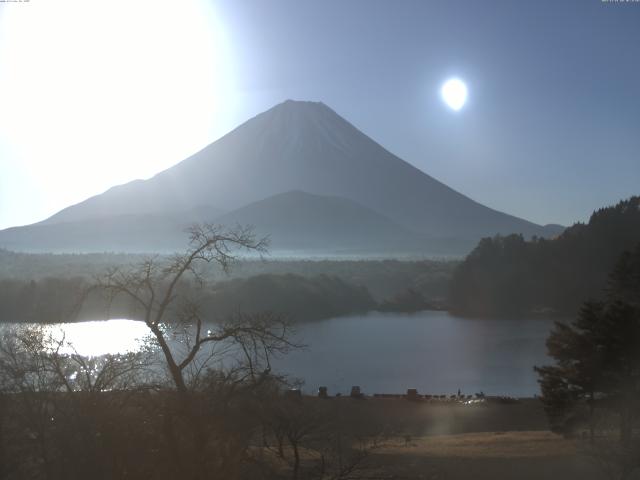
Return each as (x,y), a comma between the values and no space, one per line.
(300,297)
(384,279)
(59,300)
(508,275)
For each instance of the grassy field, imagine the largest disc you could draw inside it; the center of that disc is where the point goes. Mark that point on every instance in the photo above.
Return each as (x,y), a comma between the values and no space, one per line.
(448,440)
(488,455)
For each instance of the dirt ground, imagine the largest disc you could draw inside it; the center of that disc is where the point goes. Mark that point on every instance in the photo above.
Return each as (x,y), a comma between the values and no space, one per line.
(489,455)
(493,441)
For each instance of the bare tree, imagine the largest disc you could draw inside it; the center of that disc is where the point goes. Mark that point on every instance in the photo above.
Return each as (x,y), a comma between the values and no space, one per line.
(105,417)
(331,439)
(164,296)
(61,408)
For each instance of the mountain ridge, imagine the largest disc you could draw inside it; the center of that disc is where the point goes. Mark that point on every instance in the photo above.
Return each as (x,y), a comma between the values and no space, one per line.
(295,221)
(306,146)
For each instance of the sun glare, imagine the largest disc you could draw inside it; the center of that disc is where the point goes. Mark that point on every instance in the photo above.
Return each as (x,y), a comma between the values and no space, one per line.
(96,93)
(454,93)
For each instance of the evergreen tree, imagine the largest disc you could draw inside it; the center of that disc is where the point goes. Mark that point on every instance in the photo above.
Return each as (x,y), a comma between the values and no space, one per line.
(598,356)
(511,275)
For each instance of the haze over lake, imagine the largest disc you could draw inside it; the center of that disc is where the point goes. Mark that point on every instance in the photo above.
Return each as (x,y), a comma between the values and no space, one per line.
(433,351)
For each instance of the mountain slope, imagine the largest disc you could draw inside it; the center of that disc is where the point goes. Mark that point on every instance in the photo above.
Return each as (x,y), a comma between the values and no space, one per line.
(145,232)
(304,146)
(301,221)
(294,221)
(120,233)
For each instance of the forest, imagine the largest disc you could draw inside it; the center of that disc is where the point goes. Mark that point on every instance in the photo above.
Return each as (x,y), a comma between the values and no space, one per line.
(47,288)
(509,275)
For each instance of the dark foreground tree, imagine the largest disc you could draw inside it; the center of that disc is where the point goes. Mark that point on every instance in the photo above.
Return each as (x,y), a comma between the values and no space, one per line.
(569,387)
(597,372)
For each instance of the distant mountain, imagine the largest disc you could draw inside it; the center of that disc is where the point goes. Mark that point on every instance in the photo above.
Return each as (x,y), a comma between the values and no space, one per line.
(303,146)
(301,221)
(158,232)
(552,230)
(295,222)
(119,233)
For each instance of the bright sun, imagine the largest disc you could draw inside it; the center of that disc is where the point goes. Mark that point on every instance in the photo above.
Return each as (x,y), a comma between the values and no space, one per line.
(454,93)
(96,93)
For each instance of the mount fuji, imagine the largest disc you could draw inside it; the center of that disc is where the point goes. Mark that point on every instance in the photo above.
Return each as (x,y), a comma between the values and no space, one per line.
(299,172)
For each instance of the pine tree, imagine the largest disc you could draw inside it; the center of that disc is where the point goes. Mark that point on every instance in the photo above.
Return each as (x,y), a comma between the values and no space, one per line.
(598,356)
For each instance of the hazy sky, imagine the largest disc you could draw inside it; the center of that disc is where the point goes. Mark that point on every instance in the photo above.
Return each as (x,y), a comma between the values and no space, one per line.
(98,93)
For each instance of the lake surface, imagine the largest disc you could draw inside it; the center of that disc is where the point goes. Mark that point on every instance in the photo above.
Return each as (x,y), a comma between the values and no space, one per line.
(434,352)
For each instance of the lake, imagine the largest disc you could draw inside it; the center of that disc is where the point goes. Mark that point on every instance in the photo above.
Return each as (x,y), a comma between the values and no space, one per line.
(433,351)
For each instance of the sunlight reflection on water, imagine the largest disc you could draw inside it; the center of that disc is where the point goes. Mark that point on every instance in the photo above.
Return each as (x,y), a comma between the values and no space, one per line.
(95,338)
